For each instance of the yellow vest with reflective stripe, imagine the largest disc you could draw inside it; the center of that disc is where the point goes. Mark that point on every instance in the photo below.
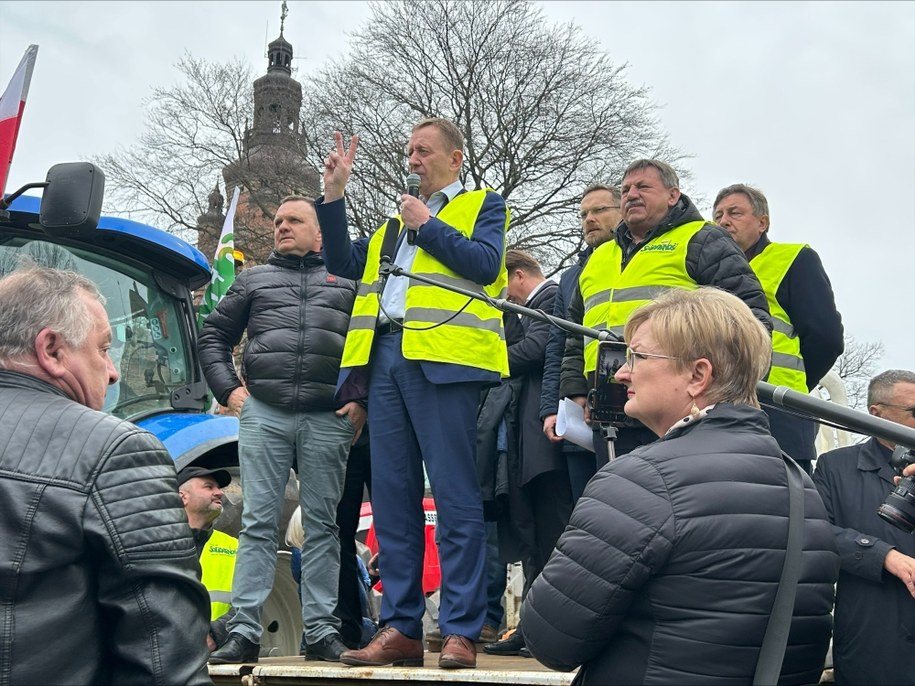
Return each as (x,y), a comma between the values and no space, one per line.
(611,293)
(473,337)
(770,267)
(217,563)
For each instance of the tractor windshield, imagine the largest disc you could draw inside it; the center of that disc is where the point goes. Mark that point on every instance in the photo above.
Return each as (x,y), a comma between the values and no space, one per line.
(150,346)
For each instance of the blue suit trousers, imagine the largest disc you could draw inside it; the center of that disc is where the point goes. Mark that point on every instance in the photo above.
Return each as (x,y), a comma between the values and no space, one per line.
(412,421)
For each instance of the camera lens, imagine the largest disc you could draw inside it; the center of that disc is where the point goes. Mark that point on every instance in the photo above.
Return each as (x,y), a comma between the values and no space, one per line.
(899,507)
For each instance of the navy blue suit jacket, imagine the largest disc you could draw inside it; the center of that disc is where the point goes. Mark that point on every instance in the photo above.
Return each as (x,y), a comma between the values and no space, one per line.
(478,259)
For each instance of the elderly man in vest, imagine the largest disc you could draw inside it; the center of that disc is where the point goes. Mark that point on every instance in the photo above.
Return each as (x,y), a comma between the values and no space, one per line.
(424,353)
(201,493)
(662,243)
(808,336)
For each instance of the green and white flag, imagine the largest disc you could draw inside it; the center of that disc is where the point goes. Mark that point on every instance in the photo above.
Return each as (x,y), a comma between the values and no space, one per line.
(223,265)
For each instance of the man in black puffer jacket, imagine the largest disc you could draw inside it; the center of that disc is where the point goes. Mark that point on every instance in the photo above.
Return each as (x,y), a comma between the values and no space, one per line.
(98,570)
(296,316)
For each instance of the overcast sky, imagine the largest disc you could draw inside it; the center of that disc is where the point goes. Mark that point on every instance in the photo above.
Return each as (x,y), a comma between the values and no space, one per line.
(812,102)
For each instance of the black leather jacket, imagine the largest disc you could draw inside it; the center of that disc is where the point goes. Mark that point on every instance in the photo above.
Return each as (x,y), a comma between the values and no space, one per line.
(296,316)
(98,571)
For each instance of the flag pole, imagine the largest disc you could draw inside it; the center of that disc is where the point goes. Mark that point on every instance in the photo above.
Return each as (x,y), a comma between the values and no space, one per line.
(223,270)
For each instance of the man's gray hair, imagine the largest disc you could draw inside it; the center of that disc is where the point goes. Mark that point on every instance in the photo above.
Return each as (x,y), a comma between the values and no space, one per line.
(668,176)
(35,298)
(880,388)
(758,201)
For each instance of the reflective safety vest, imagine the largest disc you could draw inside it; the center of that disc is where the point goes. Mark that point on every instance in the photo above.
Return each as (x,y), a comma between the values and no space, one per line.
(470,334)
(217,563)
(611,293)
(770,266)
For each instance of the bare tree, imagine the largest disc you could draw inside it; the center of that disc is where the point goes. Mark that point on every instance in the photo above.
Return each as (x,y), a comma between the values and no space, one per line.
(193,131)
(856,366)
(544,112)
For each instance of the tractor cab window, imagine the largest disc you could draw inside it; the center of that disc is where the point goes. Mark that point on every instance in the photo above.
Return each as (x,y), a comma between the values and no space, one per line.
(150,347)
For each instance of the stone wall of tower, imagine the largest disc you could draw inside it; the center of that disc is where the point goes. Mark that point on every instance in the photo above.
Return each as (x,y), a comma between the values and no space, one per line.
(273,164)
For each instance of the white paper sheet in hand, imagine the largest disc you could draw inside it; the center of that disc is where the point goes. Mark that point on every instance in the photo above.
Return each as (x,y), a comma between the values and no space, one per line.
(570,424)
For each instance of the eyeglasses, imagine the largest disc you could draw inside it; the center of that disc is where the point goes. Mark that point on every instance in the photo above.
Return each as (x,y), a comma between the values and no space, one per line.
(910,410)
(598,210)
(633,355)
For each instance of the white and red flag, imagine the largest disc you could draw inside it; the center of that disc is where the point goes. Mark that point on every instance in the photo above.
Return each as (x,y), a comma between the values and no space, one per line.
(12,104)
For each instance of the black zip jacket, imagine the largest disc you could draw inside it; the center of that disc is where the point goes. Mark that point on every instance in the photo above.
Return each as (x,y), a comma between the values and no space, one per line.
(296,315)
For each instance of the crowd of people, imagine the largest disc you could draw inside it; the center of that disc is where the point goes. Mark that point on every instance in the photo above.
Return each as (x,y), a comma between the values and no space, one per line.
(666,564)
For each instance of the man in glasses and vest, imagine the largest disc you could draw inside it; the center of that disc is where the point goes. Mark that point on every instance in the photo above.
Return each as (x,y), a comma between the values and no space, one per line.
(807,337)
(424,353)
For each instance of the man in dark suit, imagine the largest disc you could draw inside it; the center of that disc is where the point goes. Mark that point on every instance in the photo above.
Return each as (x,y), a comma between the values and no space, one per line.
(424,353)
(540,497)
(875,595)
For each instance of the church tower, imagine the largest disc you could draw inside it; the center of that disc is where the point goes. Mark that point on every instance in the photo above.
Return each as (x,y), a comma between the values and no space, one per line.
(273,161)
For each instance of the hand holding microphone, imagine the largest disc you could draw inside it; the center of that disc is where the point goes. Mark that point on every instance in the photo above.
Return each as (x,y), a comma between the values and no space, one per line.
(413,211)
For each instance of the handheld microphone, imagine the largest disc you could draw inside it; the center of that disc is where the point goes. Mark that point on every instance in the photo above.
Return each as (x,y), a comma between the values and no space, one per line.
(413,182)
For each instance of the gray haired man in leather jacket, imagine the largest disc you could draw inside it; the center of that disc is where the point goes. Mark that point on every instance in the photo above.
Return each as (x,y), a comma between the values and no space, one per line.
(98,571)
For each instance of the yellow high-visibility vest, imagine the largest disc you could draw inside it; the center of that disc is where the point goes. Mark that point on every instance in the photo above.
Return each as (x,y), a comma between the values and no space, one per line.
(473,337)
(217,562)
(611,293)
(770,267)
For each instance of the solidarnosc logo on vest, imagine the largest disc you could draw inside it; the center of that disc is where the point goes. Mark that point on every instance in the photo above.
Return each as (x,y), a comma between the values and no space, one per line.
(217,550)
(666,246)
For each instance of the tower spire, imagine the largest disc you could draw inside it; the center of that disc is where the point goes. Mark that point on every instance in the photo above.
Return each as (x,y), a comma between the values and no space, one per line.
(284,12)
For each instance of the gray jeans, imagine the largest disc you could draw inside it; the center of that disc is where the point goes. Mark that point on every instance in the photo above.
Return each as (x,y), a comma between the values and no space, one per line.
(269,438)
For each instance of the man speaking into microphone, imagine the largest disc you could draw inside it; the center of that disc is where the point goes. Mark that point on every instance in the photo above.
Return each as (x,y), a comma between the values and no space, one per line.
(425,353)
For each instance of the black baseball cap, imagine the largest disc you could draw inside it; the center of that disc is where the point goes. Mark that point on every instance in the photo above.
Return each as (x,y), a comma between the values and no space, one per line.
(221,476)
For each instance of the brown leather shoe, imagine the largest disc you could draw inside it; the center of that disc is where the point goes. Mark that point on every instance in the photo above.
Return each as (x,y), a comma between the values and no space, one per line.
(387,647)
(489,634)
(458,652)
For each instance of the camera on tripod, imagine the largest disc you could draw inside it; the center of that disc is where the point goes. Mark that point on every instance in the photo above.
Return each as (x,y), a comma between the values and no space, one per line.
(899,507)
(607,396)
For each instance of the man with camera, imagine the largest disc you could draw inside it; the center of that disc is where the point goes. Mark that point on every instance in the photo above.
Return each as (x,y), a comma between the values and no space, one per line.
(875,597)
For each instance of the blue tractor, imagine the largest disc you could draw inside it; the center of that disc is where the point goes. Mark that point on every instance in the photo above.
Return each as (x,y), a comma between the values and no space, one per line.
(148,278)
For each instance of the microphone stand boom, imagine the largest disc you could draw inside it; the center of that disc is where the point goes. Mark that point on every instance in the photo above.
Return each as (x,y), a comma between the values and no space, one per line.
(813,408)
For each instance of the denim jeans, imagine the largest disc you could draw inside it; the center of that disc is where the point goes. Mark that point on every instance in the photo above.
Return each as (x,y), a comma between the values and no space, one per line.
(269,439)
